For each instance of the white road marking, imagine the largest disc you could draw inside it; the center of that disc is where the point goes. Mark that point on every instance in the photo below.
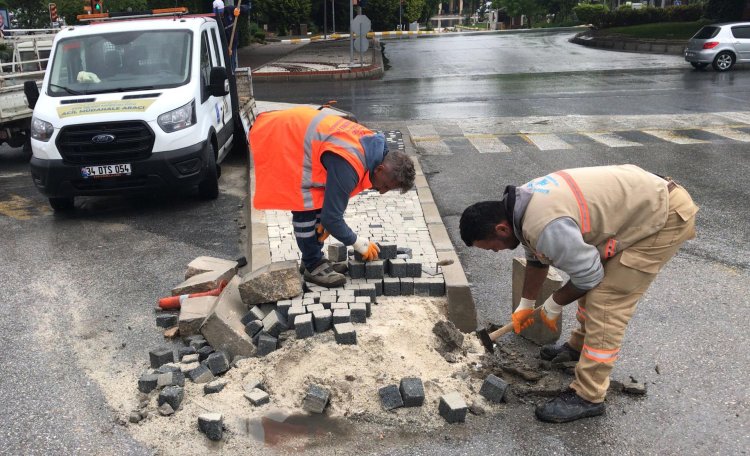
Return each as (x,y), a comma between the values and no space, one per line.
(487,144)
(730,133)
(611,139)
(547,142)
(673,137)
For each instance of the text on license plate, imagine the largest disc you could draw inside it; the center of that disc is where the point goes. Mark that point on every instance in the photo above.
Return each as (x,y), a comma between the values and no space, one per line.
(106,170)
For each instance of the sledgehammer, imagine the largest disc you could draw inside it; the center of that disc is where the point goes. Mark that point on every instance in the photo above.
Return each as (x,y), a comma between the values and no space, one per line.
(488,338)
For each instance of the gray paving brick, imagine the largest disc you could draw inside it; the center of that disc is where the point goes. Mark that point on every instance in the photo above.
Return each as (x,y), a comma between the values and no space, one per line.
(342,316)
(166,319)
(293,312)
(314,295)
(356,269)
(322,320)
(283,307)
(147,382)
(201,374)
(368,290)
(390,397)
(314,307)
(358,312)
(437,286)
(161,356)
(452,407)
(407,286)
(345,334)
(397,268)
(413,268)
(378,286)
(252,328)
(412,391)
(340,305)
(493,388)
(366,301)
(337,252)
(374,269)
(316,399)
(266,344)
(171,395)
(422,287)
(211,424)
(303,326)
(387,251)
(218,363)
(257,397)
(391,286)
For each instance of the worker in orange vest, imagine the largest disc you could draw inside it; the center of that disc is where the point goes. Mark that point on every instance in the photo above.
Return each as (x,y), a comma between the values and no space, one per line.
(311,163)
(611,229)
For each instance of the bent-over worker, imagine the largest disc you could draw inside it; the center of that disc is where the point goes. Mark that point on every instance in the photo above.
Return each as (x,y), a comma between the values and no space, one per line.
(611,229)
(311,163)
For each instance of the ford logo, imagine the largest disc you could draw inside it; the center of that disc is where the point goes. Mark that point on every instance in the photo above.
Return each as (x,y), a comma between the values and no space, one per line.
(103,139)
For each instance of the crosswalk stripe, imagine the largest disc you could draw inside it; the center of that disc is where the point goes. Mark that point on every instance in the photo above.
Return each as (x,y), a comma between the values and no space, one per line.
(546,141)
(422,131)
(673,137)
(730,133)
(433,145)
(487,144)
(611,139)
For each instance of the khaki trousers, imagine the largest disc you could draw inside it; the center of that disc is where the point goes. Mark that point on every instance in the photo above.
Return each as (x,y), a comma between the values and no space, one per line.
(604,312)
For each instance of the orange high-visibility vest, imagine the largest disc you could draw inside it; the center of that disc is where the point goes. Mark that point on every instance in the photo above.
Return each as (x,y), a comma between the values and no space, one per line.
(287,146)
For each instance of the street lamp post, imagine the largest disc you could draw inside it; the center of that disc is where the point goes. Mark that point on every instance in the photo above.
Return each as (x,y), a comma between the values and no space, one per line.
(400,4)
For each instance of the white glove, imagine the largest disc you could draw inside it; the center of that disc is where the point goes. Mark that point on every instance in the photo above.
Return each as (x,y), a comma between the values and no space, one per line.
(525,304)
(550,312)
(368,250)
(361,245)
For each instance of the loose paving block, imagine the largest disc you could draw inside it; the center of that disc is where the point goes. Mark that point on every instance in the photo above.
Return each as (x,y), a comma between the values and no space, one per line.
(274,323)
(378,283)
(327,301)
(191,358)
(374,269)
(391,286)
(345,334)
(147,382)
(413,268)
(316,399)
(314,307)
(174,378)
(412,391)
(422,287)
(357,256)
(322,320)
(368,290)
(214,386)
(165,409)
(341,305)
(314,295)
(206,281)
(342,316)
(204,352)
(343,293)
(437,286)
(283,307)
(452,407)
(223,328)
(390,397)
(201,374)
(182,352)
(187,367)
(205,264)
(255,313)
(161,356)
(193,312)
(387,251)
(403,252)
(266,344)
(211,424)
(252,383)
(303,326)
(337,252)
(198,343)
(166,320)
(292,315)
(407,286)
(358,312)
(397,268)
(252,328)
(257,336)
(273,282)
(366,301)
(258,397)
(357,269)
(538,331)
(493,389)
(171,395)
(218,363)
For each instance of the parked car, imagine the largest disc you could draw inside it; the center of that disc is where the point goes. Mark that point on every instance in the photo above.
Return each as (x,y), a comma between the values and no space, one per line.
(721,45)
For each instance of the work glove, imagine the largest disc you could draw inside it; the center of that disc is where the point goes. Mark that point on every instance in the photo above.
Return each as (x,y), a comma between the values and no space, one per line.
(522,315)
(368,250)
(322,232)
(550,313)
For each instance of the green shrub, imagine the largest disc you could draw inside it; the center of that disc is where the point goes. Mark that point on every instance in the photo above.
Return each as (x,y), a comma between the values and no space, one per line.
(626,15)
(590,14)
(684,13)
(259,36)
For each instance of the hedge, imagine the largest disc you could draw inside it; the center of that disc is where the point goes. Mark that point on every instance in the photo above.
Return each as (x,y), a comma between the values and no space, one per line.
(599,16)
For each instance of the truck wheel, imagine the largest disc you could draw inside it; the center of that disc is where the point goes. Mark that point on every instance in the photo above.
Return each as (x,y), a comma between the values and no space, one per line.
(209,186)
(62,204)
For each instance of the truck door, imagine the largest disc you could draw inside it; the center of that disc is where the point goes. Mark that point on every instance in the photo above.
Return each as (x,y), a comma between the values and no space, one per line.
(742,42)
(217,109)
(224,103)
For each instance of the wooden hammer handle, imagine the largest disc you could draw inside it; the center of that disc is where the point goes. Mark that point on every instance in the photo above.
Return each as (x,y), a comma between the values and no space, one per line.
(509,327)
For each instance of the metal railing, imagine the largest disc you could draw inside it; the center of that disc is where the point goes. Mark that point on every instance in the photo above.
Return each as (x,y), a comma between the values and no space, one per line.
(30,49)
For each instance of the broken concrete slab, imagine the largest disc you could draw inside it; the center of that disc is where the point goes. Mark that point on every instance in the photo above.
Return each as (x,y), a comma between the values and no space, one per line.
(206,281)
(211,424)
(452,407)
(390,397)
(193,312)
(223,328)
(206,263)
(316,399)
(537,332)
(271,283)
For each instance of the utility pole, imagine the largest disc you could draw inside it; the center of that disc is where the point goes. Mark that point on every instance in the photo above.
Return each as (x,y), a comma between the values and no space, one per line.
(333,14)
(400,7)
(351,32)
(325,20)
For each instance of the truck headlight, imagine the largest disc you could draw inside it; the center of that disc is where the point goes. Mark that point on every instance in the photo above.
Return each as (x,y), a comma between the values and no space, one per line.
(41,130)
(177,119)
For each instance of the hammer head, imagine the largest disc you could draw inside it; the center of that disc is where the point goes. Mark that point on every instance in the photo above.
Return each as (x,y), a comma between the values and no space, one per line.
(484,337)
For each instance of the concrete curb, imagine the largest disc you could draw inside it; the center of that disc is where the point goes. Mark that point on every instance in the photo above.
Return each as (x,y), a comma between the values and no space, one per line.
(616,43)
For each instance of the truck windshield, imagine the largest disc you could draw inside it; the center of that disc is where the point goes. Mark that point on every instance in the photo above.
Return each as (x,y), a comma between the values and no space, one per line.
(120,62)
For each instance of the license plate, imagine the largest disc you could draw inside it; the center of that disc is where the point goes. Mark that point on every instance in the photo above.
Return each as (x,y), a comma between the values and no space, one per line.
(106,170)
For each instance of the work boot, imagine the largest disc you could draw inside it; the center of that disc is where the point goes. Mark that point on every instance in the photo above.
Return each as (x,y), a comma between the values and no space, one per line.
(341,268)
(559,353)
(568,406)
(324,275)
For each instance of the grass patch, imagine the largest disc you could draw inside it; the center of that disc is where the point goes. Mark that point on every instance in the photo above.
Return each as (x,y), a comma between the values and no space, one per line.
(660,30)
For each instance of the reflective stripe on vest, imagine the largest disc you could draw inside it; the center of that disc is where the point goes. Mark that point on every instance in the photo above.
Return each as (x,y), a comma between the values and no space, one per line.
(583,208)
(600,356)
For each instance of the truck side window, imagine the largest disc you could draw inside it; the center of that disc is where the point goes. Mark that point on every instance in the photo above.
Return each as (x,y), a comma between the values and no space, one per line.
(217,47)
(205,66)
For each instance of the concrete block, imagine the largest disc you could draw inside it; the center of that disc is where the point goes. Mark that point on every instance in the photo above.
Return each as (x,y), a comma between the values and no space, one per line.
(198,343)
(413,268)
(171,395)
(211,424)
(358,312)
(453,408)
(252,328)
(357,269)
(191,358)
(271,283)
(206,281)
(214,386)
(147,382)
(378,283)
(255,313)
(327,301)
(187,367)
(341,305)
(337,252)
(537,332)
(258,397)
(308,302)
(437,286)
(357,256)
(161,356)
(274,323)
(412,391)
(283,307)
(422,287)
(344,293)
(397,268)
(218,363)
(165,409)
(223,329)
(292,315)
(252,383)
(345,334)
(403,253)
(322,320)
(316,399)
(303,326)
(390,397)
(366,301)
(374,269)
(266,344)
(201,374)
(314,295)
(193,312)
(166,320)
(493,389)
(342,316)
(387,251)
(205,264)
(407,286)
(391,286)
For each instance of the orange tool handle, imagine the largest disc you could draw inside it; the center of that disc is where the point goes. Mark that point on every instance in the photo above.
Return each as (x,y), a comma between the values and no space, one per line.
(175,302)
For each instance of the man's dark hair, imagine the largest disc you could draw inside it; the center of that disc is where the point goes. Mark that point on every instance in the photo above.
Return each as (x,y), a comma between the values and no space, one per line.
(401,169)
(479,220)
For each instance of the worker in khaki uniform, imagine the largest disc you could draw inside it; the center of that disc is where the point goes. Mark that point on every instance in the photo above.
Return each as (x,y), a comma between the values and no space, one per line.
(611,229)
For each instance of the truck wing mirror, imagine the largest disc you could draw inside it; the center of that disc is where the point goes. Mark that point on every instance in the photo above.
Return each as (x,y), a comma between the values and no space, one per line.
(32,93)
(218,85)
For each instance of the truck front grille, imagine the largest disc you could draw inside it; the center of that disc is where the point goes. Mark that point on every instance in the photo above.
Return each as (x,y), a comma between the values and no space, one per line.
(132,141)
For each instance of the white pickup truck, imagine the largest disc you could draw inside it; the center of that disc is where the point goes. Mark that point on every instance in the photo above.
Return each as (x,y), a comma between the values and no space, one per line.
(137,105)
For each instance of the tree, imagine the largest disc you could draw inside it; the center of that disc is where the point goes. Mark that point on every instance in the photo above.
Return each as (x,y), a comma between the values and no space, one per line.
(412,10)
(725,10)
(32,14)
(382,13)
(530,8)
